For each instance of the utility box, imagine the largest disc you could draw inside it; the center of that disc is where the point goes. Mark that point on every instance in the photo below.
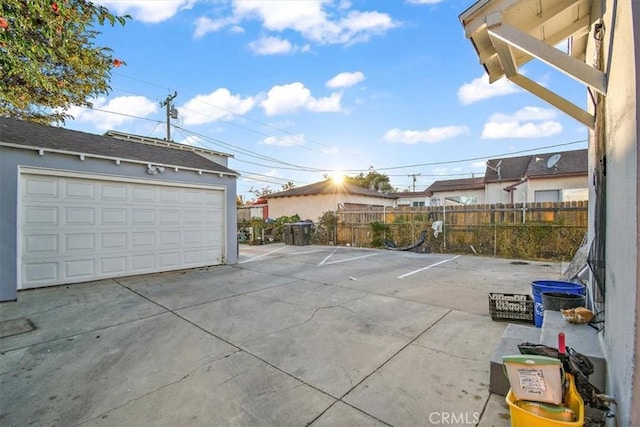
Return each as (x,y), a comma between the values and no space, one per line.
(301,233)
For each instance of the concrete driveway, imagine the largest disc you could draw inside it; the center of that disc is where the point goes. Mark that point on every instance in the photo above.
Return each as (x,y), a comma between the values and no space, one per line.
(292,335)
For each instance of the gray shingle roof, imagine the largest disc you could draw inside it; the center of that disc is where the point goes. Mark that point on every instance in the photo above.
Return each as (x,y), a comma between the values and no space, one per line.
(29,134)
(456,184)
(328,187)
(535,166)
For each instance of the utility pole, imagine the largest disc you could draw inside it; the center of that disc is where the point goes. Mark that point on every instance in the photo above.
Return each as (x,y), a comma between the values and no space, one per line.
(414,175)
(172,113)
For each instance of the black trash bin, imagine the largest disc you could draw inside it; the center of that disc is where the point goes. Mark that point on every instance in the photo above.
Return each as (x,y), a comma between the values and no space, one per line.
(287,234)
(301,233)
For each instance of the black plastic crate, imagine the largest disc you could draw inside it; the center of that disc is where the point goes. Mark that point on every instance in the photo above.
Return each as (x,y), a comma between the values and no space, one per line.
(511,307)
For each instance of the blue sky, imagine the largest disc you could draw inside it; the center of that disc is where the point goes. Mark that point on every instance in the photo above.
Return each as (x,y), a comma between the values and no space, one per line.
(296,89)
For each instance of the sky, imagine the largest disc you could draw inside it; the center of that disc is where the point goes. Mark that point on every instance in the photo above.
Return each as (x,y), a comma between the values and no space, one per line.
(296,90)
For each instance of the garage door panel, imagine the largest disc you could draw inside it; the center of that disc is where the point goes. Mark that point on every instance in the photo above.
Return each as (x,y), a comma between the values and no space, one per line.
(142,194)
(113,192)
(80,190)
(169,196)
(40,272)
(169,259)
(41,187)
(113,265)
(113,216)
(169,217)
(141,216)
(79,269)
(79,216)
(113,241)
(79,229)
(40,215)
(142,263)
(169,238)
(79,242)
(43,244)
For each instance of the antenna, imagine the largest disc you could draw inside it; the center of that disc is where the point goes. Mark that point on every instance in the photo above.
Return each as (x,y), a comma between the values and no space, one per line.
(496,168)
(553,162)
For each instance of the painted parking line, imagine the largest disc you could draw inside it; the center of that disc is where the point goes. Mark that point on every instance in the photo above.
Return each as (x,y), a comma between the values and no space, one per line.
(327,257)
(349,259)
(263,255)
(427,267)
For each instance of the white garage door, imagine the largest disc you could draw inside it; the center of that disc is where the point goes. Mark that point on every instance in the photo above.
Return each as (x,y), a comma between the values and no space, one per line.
(80,228)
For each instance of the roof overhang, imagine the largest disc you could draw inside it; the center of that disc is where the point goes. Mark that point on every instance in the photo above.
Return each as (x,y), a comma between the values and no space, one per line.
(507,34)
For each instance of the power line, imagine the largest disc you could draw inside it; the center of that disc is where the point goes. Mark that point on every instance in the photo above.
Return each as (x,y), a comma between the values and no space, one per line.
(318,170)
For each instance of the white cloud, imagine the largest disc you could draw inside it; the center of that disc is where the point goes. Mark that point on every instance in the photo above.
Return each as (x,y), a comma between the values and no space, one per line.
(318,21)
(479,165)
(125,106)
(145,10)
(480,89)
(271,46)
(345,80)
(284,141)
(206,25)
(423,1)
(529,122)
(218,105)
(294,97)
(431,136)
(331,151)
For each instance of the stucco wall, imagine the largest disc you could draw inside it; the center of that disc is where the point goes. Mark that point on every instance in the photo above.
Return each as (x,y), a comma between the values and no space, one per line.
(565,183)
(313,207)
(494,192)
(525,192)
(621,127)
(11,158)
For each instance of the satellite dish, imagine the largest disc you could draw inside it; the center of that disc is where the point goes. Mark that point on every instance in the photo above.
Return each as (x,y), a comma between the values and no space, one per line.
(553,160)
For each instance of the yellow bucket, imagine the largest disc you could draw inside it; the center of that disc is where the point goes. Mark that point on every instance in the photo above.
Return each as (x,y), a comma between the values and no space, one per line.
(523,416)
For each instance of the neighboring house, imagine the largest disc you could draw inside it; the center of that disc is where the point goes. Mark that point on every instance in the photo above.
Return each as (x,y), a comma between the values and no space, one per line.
(552,177)
(79,207)
(464,191)
(603,55)
(414,199)
(312,201)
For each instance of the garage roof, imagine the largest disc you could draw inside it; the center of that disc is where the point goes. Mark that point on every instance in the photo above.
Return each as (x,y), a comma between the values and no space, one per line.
(48,138)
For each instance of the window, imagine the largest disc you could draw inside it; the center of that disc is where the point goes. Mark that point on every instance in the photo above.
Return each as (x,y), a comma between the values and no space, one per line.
(547,196)
(464,200)
(418,204)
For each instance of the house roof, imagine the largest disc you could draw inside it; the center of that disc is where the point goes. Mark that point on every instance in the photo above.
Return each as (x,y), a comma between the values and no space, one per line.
(569,163)
(48,138)
(456,184)
(329,187)
(409,194)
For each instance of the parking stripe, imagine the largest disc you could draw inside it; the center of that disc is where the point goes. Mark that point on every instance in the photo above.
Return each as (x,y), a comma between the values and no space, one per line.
(349,259)
(260,256)
(427,267)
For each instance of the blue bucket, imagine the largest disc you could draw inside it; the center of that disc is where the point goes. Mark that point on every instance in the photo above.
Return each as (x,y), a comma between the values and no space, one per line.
(540,286)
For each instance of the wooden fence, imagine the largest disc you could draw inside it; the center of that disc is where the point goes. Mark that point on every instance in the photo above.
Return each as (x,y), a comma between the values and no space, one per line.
(543,231)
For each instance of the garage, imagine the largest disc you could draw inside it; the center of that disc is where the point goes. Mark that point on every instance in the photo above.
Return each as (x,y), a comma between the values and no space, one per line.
(79,228)
(79,207)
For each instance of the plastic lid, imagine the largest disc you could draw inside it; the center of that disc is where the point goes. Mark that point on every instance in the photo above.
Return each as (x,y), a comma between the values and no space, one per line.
(531,359)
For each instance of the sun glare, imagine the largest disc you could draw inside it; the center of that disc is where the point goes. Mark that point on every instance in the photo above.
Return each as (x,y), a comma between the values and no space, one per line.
(337,177)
